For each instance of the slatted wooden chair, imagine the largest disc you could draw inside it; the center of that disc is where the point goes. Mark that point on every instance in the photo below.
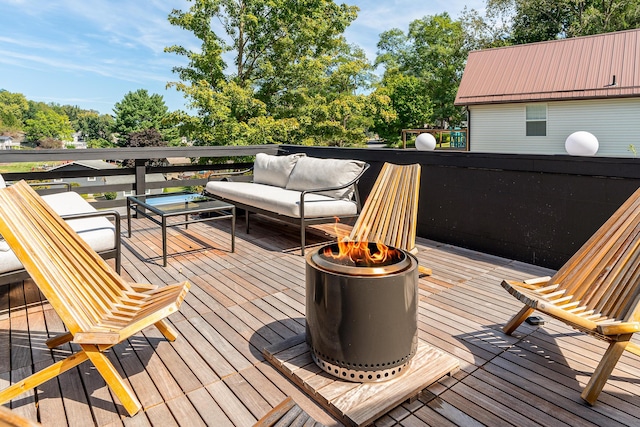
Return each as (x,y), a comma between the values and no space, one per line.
(597,291)
(390,213)
(97,306)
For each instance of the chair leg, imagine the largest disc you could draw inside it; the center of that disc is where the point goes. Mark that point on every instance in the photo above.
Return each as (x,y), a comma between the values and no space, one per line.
(115,382)
(604,369)
(167,330)
(517,320)
(58,340)
(42,376)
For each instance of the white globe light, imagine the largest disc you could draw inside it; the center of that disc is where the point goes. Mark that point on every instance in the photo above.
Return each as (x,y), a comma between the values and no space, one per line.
(425,142)
(581,143)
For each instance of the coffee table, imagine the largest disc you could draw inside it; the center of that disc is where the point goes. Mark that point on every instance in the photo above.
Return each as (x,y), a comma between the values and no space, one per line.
(195,208)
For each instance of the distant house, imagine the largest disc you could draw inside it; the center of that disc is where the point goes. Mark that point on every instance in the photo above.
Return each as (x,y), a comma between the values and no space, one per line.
(77,142)
(529,98)
(97,181)
(6,143)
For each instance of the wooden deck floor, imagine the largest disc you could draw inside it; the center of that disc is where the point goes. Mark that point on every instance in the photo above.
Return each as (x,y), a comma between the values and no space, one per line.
(215,374)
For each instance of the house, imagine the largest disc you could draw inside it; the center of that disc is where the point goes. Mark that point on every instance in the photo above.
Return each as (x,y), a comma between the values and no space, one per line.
(530,98)
(96,181)
(6,143)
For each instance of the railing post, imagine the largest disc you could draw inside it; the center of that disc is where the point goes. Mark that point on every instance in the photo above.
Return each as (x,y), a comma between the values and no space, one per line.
(140,185)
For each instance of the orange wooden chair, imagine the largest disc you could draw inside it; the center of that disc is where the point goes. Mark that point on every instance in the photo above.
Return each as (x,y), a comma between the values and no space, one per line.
(390,213)
(97,306)
(597,291)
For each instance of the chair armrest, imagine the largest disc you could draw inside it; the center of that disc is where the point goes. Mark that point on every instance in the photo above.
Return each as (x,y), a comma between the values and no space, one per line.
(619,328)
(115,216)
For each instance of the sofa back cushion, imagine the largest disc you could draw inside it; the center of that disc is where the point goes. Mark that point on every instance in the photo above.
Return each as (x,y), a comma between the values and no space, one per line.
(274,170)
(312,173)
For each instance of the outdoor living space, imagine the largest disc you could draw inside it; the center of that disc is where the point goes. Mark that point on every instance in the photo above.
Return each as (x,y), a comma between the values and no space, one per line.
(215,373)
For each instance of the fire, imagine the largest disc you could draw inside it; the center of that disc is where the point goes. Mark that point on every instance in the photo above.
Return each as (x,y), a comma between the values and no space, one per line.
(360,253)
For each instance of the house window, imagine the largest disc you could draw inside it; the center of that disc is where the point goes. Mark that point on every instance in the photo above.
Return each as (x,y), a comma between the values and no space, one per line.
(58,180)
(128,193)
(536,120)
(91,178)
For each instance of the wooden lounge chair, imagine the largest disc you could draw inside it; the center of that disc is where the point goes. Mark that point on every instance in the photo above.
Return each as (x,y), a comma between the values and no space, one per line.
(597,291)
(390,213)
(96,305)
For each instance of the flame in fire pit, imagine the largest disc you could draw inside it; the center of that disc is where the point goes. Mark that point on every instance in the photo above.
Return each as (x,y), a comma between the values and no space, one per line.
(361,253)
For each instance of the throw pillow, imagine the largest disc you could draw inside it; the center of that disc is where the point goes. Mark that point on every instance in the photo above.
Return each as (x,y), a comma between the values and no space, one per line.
(274,170)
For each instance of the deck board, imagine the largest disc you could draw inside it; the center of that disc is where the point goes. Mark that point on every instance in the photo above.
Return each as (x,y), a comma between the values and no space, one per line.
(215,373)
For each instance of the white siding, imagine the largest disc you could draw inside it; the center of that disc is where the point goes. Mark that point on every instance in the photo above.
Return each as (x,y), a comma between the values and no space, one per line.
(500,128)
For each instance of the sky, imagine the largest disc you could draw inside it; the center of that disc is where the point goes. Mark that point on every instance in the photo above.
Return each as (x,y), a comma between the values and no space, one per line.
(90,53)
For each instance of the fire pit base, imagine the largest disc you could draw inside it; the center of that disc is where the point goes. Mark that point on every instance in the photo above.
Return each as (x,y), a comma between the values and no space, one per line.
(357,375)
(358,403)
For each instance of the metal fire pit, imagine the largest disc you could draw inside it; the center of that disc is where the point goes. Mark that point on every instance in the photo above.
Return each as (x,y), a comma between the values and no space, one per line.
(361,321)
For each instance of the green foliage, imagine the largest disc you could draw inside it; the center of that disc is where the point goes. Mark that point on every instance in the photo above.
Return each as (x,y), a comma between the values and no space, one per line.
(409,99)
(540,20)
(47,124)
(434,50)
(110,195)
(139,111)
(93,126)
(13,107)
(292,79)
(100,143)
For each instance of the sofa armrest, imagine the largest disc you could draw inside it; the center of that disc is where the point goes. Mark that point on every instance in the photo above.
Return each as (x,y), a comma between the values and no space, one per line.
(347,185)
(115,217)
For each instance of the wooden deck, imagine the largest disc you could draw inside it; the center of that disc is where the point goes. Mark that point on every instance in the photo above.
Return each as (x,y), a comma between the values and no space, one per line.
(241,302)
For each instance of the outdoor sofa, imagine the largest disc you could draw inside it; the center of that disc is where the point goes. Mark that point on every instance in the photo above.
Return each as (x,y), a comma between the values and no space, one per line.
(100,229)
(294,188)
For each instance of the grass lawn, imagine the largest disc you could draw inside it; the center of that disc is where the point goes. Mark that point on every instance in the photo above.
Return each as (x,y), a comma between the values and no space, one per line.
(26,166)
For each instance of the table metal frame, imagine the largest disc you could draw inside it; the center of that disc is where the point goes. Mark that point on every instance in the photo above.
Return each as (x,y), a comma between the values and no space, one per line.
(141,206)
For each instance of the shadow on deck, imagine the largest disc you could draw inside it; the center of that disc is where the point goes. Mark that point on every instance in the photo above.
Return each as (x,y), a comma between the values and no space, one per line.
(215,373)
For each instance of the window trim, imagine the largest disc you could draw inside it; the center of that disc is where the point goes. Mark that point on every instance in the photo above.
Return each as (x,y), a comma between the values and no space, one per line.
(527,120)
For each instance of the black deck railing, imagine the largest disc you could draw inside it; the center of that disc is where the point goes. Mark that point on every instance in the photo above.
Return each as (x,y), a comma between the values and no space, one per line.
(534,208)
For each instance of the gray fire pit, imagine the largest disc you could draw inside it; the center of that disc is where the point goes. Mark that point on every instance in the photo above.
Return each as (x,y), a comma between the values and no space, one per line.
(361,320)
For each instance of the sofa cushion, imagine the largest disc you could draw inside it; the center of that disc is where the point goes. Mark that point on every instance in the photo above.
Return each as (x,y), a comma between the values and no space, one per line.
(274,170)
(2,183)
(279,200)
(312,173)
(98,232)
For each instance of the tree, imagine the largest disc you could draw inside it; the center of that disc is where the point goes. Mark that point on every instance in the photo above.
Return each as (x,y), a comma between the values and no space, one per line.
(94,126)
(139,111)
(434,50)
(282,52)
(330,108)
(410,102)
(484,32)
(145,138)
(13,107)
(48,124)
(540,20)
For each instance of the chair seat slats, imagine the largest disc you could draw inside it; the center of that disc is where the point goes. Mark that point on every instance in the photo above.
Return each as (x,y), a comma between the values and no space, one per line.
(597,291)
(96,305)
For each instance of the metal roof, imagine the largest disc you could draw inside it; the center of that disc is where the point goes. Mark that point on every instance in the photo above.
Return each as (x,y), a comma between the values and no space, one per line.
(598,66)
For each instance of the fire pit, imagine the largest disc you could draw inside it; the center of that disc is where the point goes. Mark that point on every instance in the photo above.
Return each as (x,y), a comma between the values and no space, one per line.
(361,310)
